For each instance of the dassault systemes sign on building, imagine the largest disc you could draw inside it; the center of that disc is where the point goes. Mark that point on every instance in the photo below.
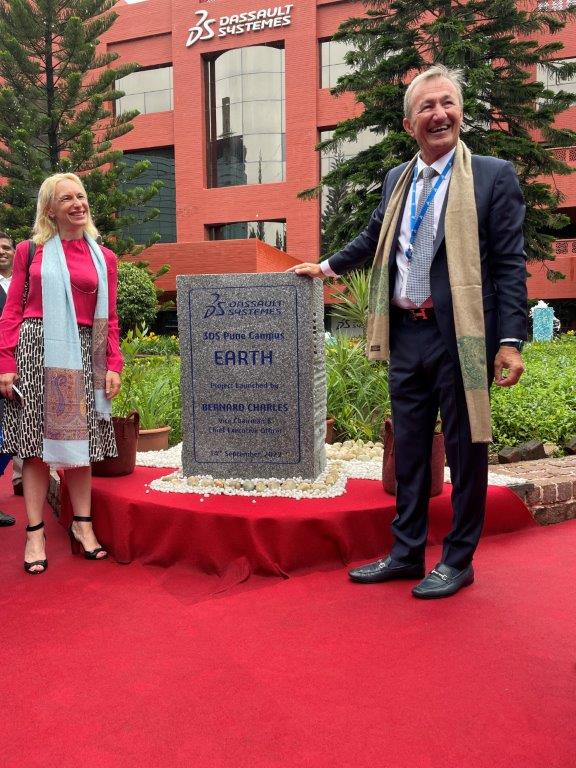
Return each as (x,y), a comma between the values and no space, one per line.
(238,23)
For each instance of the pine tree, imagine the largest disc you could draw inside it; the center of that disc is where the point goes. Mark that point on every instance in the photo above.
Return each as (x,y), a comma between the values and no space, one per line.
(334,196)
(506,113)
(55,115)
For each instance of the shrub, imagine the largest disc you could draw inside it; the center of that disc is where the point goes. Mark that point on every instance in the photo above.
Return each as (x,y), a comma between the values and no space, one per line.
(541,406)
(151,386)
(543,403)
(137,303)
(358,399)
(351,293)
(153,344)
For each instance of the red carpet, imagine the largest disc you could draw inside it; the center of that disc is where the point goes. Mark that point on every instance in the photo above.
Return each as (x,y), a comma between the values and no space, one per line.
(121,666)
(274,536)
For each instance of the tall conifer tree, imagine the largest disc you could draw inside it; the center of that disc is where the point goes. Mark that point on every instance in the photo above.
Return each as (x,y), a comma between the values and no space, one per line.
(56,93)
(507,113)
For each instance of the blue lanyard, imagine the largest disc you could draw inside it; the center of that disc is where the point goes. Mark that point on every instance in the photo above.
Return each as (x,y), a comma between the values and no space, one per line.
(415,221)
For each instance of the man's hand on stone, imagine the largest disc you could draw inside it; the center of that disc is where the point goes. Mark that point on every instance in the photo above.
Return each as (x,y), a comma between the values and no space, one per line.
(307,268)
(508,367)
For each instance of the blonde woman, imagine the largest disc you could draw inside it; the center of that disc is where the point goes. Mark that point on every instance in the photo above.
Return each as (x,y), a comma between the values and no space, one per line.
(59,346)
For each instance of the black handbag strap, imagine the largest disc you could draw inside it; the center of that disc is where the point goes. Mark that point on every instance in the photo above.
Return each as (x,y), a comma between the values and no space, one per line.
(31,252)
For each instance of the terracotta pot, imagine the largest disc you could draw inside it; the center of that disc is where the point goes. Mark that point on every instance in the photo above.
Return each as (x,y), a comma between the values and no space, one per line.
(437,461)
(153,439)
(126,430)
(329,431)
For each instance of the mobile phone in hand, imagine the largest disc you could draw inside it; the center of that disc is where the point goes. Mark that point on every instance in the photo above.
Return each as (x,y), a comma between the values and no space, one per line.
(17,395)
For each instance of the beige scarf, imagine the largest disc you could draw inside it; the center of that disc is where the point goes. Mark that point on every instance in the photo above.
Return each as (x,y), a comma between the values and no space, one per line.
(463,253)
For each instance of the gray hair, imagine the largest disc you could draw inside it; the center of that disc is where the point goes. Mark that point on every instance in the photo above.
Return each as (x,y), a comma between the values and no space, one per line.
(455,76)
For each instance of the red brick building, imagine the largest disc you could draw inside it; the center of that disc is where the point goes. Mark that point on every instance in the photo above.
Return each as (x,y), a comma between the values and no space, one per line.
(234,96)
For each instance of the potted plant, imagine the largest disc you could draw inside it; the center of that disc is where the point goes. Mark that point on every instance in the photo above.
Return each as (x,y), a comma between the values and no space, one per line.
(357,398)
(350,295)
(150,386)
(437,460)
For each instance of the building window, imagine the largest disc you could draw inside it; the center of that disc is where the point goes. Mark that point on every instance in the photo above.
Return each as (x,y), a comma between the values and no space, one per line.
(330,158)
(555,5)
(271,232)
(161,167)
(332,64)
(332,198)
(553,80)
(148,90)
(245,116)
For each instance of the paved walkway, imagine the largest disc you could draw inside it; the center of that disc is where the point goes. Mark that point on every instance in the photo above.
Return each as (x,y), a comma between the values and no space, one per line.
(547,486)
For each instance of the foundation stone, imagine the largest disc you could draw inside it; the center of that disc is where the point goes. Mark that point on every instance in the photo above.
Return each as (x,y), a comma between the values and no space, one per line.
(253,375)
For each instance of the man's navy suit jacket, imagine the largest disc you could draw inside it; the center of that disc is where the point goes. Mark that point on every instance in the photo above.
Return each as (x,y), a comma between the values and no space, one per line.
(500,209)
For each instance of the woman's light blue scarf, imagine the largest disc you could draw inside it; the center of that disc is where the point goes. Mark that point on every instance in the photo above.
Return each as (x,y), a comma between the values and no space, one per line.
(65,413)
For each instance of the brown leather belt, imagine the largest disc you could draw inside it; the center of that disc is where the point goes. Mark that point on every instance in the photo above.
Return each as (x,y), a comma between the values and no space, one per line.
(419,315)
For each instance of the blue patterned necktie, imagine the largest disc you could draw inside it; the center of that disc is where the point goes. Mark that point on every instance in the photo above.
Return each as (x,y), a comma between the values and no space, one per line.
(418,285)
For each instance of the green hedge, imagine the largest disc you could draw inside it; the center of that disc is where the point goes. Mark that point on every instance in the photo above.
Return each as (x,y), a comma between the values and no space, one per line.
(137,302)
(541,406)
(543,403)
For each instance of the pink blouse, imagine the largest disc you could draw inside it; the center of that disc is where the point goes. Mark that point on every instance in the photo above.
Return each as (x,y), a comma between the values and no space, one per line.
(84,282)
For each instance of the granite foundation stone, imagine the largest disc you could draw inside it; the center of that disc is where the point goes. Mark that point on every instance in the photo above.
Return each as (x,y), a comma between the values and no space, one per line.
(253,375)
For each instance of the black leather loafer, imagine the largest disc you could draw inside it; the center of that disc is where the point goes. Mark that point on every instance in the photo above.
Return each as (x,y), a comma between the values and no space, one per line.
(6,520)
(385,569)
(443,581)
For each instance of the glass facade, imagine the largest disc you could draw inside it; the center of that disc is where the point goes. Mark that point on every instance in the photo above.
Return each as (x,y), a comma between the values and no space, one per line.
(271,232)
(332,64)
(149,90)
(245,116)
(162,168)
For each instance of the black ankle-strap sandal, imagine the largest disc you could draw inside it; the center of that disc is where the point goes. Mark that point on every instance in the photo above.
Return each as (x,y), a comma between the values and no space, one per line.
(43,563)
(76,545)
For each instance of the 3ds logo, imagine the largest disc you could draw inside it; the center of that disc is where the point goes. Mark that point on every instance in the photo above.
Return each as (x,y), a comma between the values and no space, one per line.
(214,309)
(203,30)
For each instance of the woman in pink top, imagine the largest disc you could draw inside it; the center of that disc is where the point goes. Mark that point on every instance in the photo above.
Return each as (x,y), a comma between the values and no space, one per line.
(60,360)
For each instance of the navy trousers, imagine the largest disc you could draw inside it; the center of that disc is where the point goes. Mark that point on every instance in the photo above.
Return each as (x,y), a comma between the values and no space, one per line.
(424,379)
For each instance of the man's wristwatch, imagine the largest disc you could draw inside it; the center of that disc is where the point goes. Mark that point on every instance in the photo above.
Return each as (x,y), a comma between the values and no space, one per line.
(516,344)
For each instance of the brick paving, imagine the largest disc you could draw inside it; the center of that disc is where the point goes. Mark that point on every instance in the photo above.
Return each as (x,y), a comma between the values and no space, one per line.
(547,486)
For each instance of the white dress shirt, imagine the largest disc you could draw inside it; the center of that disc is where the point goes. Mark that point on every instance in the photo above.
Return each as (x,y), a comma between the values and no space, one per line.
(402,263)
(5,282)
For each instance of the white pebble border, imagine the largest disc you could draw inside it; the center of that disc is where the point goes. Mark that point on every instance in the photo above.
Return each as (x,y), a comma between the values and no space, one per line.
(343,462)
(352,459)
(172,457)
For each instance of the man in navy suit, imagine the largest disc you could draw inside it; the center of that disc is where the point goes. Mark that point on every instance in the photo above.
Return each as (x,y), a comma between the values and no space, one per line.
(424,372)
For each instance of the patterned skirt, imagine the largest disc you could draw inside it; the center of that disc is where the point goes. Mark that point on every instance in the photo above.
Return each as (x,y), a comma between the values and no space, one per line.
(23,427)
